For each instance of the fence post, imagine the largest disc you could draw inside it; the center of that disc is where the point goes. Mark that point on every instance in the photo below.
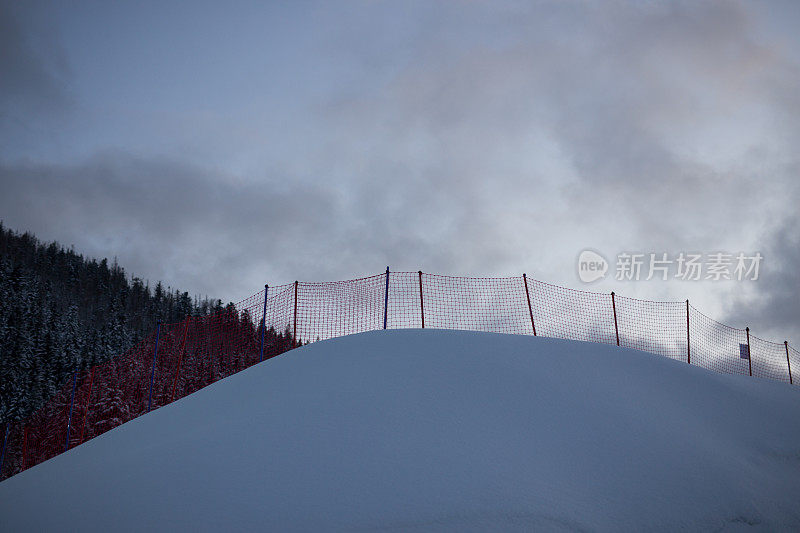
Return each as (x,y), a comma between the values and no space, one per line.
(386,300)
(528,296)
(294,334)
(688,344)
(210,329)
(749,355)
(788,364)
(263,322)
(153,369)
(71,403)
(3,453)
(180,358)
(421,304)
(614,306)
(88,399)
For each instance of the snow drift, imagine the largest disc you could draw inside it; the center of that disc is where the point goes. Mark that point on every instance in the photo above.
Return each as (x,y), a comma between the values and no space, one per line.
(438,431)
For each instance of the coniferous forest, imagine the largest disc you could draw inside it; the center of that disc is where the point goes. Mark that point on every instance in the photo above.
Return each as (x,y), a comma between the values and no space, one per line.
(61,312)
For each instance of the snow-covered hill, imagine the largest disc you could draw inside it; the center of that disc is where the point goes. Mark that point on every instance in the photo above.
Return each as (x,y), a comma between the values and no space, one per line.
(425,430)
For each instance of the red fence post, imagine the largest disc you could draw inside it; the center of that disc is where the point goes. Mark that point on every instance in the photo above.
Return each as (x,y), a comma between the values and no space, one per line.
(211,331)
(421,304)
(688,344)
(180,358)
(614,306)
(788,364)
(528,296)
(88,399)
(749,355)
(294,334)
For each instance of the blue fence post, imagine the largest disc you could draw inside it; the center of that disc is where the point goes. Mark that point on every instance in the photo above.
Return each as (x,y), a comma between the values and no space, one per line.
(749,358)
(71,404)
(386,299)
(264,321)
(294,334)
(3,453)
(153,370)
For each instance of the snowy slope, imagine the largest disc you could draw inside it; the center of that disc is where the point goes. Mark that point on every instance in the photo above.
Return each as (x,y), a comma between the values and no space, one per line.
(423,430)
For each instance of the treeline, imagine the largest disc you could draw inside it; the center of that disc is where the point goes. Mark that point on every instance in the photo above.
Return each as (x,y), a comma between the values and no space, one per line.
(182,358)
(61,312)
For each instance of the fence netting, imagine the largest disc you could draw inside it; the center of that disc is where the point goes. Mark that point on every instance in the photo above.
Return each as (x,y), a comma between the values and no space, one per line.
(655,327)
(564,313)
(180,358)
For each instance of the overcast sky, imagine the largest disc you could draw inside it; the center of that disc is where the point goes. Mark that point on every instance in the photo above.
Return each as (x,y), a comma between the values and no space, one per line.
(220,146)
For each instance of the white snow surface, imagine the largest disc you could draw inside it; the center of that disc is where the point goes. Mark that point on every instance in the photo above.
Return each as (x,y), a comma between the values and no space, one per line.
(431,430)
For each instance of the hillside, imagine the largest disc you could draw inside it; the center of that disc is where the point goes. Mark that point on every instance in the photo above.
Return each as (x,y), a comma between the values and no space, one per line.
(62,312)
(430,430)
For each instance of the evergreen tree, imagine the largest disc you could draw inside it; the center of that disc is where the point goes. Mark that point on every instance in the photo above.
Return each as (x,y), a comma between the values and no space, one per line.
(61,313)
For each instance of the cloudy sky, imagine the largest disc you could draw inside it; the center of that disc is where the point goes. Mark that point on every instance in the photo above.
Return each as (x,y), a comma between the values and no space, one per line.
(220,146)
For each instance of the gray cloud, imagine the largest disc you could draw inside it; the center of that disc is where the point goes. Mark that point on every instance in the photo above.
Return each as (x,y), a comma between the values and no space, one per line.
(169,220)
(667,126)
(476,142)
(610,97)
(33,74)
(773,311)
(33,68)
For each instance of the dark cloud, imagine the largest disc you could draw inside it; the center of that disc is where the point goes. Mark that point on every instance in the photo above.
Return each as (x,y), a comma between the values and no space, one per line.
(168,220)
(33,68)
(33,74)
(773,311)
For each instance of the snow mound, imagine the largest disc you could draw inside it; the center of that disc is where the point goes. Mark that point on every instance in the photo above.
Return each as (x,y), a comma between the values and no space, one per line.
(426,430)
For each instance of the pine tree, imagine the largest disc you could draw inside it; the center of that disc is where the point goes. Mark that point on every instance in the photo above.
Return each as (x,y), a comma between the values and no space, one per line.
(61,312)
